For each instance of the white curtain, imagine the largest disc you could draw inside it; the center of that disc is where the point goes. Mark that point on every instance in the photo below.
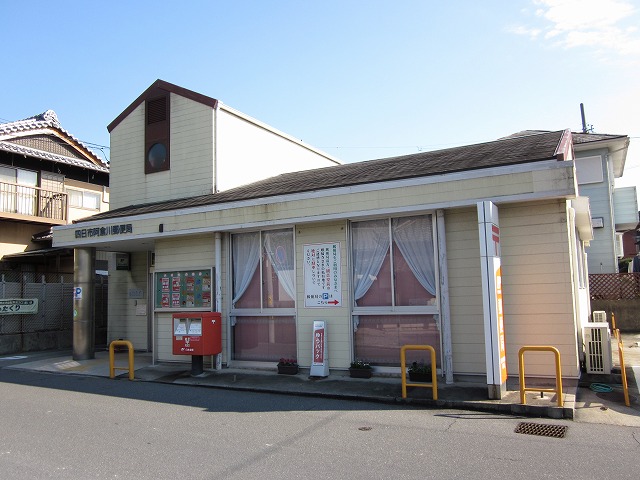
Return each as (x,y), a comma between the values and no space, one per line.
(370,246)
(414,237)
(279,248)
(246,257)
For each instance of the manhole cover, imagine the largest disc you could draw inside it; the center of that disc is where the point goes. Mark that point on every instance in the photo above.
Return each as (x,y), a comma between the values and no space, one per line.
(364,429)
(542,430)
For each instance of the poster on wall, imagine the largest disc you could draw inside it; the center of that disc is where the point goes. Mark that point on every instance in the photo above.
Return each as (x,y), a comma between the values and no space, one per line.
(322,275)
(183,289)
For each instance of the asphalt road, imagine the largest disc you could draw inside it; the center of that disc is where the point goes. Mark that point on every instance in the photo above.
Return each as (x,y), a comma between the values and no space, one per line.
(76,427)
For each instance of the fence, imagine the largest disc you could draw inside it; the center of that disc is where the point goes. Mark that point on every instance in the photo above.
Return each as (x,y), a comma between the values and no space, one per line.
(614,286)
(52,325)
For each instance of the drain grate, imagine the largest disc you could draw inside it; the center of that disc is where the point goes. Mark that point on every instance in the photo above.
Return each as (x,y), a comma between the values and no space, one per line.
(556,431)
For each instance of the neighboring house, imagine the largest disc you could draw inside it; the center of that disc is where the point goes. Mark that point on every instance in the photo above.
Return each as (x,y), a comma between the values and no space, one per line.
(600,159)
(387,252)
(47,177)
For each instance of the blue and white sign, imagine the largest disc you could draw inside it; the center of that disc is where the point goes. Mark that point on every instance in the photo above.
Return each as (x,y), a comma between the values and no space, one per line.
(77,293)
(322,275)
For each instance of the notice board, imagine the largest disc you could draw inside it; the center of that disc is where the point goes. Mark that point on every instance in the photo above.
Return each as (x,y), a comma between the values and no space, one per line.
(183,289)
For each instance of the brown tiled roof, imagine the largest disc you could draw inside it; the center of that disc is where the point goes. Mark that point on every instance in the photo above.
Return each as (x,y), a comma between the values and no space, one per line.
(509,151)
(39,123)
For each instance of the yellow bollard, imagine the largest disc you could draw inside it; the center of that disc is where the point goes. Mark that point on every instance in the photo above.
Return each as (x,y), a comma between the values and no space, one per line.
(403,365)
(112,367)
(523,389)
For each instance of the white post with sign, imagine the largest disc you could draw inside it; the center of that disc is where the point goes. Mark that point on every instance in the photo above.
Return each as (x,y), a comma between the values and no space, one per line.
(320,360)
(496,359)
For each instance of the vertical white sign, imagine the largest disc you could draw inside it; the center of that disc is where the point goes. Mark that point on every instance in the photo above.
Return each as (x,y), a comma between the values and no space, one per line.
(320,360)
(322,275)
(489,232)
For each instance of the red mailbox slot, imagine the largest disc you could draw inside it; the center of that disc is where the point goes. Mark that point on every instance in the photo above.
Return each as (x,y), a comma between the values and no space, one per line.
(197,333)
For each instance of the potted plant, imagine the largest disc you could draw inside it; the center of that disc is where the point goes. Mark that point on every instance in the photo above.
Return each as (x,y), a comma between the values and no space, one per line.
(288,366)
(419,372)
(360,369)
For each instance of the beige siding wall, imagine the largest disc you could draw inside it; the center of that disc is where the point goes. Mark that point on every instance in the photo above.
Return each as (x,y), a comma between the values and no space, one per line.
(538,297)
(123,321)
(399,198)
(126,169)
(536,277)
(337,319)
(465,291)
(194,252)
(191,158)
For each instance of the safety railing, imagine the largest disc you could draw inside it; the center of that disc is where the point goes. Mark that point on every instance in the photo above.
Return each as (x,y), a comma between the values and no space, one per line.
(112,367)
(403,366)
(623,372)
(523,388)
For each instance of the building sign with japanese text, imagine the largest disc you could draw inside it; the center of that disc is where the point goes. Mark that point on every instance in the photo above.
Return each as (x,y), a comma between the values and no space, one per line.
(16,306)
(104,231)
(322,275)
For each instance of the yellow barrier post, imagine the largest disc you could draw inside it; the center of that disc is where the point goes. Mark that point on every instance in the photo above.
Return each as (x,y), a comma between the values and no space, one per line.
(625,386)
(112,367)
(403,366)
(523,389)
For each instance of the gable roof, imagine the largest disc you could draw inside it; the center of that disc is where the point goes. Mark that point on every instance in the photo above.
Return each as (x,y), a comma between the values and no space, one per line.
(510,151)
(31,135)
(156,89)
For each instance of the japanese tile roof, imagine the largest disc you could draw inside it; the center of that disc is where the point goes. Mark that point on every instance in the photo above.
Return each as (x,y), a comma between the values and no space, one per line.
(42,124)
(510,151)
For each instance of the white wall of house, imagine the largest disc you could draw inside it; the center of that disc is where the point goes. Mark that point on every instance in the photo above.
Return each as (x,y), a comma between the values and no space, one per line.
(248,150)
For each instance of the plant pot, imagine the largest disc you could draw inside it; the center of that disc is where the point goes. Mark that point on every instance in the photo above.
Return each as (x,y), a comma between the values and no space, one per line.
(288,369)
(419,377)
(360,372)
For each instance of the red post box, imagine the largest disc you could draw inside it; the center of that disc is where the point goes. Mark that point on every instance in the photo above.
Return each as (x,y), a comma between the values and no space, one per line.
(197,333)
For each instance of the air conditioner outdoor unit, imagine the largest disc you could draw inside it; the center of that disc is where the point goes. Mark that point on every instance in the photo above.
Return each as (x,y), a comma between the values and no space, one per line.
(599,316)
(597,348)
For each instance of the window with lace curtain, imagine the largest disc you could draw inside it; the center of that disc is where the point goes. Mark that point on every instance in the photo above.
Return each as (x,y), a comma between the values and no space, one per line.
(394,287)
(263,305)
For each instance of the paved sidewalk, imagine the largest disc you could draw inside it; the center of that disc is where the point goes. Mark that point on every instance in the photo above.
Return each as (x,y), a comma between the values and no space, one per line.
(580,402)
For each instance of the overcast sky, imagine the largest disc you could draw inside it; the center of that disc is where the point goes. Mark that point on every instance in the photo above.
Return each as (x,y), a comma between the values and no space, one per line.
(358,79)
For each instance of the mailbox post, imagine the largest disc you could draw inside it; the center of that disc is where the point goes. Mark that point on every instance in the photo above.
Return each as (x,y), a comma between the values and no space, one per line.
(197,334)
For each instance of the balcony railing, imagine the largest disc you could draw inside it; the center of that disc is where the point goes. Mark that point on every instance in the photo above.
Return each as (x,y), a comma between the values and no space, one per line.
(21,200)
